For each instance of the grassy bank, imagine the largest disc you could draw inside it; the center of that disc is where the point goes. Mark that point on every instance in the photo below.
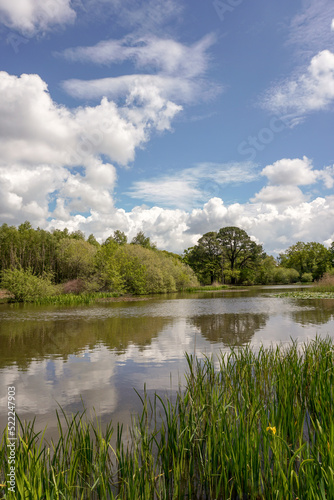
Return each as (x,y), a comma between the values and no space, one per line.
(207,288)
(248,425)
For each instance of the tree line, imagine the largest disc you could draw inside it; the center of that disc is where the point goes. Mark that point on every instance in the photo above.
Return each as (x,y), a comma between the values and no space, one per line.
(231,256)
(60,261)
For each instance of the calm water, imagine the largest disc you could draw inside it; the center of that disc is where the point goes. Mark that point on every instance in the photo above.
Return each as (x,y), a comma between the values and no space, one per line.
(97,355)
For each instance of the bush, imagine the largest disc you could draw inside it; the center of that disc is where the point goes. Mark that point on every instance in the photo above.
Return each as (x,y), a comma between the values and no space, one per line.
(284,275)
(306,277)
(74,286)
(25,286)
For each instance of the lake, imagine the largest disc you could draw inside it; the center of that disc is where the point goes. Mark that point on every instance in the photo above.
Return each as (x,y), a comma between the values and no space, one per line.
(97,355)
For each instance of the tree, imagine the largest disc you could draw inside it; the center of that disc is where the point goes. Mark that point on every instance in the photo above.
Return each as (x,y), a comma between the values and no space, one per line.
(205,258)
(310,257)
(331,252)
(120,237)
(76,259)
(239,252)
(142,240)
(92,241)
(229,255)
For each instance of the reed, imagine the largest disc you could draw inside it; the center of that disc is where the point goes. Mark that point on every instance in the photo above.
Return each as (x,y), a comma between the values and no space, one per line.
(245,426)
(70,299)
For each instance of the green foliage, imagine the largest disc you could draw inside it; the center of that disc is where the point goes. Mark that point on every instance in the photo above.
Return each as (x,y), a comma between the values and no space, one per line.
(306,277)
(246,425)
(142,240)
(145,271)
(92,240)
(107,268)
(25,286)
(285,276)
(76,257)
(311,257)
(118,237)
(227,256)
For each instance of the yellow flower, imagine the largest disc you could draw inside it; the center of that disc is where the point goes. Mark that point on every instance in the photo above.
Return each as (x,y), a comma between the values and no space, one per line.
(272,429)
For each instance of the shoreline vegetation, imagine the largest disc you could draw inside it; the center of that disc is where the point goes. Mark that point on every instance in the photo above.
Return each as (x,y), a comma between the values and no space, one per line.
(247,424)
(63,268)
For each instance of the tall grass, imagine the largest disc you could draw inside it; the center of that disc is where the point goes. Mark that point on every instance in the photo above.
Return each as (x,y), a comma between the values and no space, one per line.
(70,299)
(246,426)
(326,283)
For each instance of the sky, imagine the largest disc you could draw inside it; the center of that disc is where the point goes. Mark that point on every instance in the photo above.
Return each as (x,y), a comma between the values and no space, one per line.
(174,118)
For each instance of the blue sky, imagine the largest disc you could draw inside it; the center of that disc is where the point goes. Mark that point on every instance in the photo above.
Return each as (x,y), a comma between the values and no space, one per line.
(171,117)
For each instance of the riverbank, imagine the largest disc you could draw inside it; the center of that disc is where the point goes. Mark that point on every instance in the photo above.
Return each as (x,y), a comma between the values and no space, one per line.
(89,298)
(254,424)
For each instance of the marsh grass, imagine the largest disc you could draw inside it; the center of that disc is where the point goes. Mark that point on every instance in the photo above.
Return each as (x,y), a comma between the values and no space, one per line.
(207,288)
(326,283)
(245,426)
(70,299)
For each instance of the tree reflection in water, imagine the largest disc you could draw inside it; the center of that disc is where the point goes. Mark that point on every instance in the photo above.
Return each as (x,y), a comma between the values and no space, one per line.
(230,329)
(317,312)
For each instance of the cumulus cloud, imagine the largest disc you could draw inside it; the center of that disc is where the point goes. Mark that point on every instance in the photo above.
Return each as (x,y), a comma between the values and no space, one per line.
(309,91)
(277,195)
(297,172)
(44,143)
(291,172)
(32,16)
(276,227)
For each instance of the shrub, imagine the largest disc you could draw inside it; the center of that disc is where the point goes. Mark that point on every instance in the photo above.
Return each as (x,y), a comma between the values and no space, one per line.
(306,277)
(25,286)
(285,275)
(74,286)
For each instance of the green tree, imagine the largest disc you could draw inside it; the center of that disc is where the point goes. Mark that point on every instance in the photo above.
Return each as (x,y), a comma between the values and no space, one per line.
(25,286)
(76,259)
(92,241)
(118,237)
(239,252)
(331,253)
(205,258)
(142,240)
(310,257)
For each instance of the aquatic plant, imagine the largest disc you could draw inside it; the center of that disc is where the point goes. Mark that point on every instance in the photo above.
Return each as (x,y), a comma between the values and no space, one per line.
(255,425)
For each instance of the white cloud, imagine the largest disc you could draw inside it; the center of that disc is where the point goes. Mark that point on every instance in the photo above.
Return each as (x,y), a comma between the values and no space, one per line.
(310,91)
(43,143)
(297,172)
(191,186)
(310,30)
(174,88)
(290,172)
(277,195)
(32,16)
(36,130)
(332,25)
(176,71)
(277,227)
(164,55)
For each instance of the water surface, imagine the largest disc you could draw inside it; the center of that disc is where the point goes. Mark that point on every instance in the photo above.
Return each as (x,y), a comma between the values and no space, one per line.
(96,355)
